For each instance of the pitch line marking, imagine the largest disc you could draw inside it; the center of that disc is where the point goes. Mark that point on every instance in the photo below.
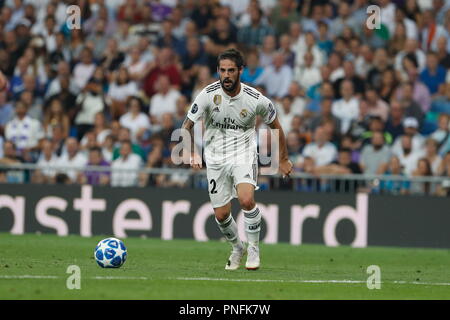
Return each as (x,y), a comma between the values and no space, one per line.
(311,281)
(27,276)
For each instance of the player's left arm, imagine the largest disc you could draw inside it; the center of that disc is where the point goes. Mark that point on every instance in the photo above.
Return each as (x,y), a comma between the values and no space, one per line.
(285,163)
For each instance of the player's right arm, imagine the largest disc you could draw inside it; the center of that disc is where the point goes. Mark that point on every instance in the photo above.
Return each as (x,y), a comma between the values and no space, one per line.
(194,114)
(195,158)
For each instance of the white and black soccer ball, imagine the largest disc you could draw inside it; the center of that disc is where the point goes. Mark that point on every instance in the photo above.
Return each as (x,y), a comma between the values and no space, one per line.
(110,253)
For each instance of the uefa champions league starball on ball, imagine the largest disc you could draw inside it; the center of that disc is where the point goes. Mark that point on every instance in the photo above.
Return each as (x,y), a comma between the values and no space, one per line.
(110,253)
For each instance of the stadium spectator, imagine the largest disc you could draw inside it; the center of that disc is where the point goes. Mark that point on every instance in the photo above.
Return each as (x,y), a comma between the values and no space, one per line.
(121,88)
(99,38)
(276,78)
(46,162)
(375,155)
(267,51)
(72,159)
(324,115)
(164,100)
(6,111)
(321,150)
(409,103)
(135,120)
(89,102)
(411,128)
(84,69)
(393,168)
(163,65)
(434,75)
(252,69)
(121,175)
(11,157)
(282,15)
(388,85)
(124,135)
(441,103)
(95,158)
(423,170)
(253,35)
(24,131)
(431,154)
(55,115)
(111,58)
(346,108)
(308,74)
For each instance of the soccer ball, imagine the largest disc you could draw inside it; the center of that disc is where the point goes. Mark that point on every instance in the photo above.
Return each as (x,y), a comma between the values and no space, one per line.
(110,253)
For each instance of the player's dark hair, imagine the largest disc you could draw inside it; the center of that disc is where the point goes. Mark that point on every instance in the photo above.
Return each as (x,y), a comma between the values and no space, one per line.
(233,55)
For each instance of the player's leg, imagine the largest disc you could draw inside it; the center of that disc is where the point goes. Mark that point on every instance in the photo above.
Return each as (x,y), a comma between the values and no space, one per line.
(220,193)
(252,222)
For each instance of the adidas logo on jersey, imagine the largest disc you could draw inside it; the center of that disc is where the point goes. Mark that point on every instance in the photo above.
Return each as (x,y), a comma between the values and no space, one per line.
(216,109)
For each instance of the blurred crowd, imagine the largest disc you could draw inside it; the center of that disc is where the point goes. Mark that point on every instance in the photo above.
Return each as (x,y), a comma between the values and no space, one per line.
(356,92)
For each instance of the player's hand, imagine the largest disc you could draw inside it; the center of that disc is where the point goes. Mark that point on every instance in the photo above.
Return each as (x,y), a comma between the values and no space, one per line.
(286,167)
(196,161)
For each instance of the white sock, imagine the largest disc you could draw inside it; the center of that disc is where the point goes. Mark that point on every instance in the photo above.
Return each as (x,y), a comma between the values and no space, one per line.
(228,227)
(252,221)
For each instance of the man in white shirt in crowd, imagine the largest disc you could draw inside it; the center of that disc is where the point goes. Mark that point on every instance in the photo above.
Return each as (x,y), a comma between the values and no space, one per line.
(308,74)
(72,158)
(24,131)
(407,156)
(346,108)
(165,100)
(127,160)
(47,161)
(321,150)
(411,127)
(276,77)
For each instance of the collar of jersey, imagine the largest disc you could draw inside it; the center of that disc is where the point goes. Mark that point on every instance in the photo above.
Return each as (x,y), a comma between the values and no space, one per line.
(235,97)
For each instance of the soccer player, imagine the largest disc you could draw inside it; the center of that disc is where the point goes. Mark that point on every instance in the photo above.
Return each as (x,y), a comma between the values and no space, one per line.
(229,109)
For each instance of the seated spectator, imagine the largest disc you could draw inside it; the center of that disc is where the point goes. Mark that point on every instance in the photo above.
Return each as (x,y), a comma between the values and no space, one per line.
(11,157)
(375,154)
(101,128)
(441,103)
(108,148)
(308,74)
(342,166)
(55,115)
(394,124)
(407,155)
(294,147)
(298,96)
(95,158)
(84,69)
(112,58)
(423,170)
(71,160)
(253,35)
(124,136)
(388,85)
(411,129)
(192,61)
(6,110)
(135,120)
(126,161)
(285,112)
(163,65)
(136,65)
(444,171)
(121,87)
(434,74)
(89,102)
(349,74)
(267,51)
(393,168)
(164,99)
(276,78)
(203,79)
(252,69)
(409,104)
(46,162)
(325,114)
(321,150)
(431,154)
(346,109)
(376,124)
(24,132)
(375,105)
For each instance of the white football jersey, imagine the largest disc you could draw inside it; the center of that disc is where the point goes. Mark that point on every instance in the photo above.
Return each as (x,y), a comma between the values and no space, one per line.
(230,135)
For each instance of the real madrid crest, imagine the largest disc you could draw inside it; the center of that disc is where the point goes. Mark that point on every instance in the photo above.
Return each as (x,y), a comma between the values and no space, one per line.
(217,99)
(243,113)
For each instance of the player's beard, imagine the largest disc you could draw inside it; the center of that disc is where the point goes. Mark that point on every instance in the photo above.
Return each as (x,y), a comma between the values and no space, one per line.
(233,85)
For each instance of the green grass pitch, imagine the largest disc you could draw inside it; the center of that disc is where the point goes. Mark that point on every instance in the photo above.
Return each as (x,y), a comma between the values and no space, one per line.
(34,267)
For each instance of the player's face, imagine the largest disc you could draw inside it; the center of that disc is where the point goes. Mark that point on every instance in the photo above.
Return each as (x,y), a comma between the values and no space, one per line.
(229,74)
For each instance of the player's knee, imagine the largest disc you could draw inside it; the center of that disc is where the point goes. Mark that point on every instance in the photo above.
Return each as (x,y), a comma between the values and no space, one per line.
(221,215)
(247,203)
